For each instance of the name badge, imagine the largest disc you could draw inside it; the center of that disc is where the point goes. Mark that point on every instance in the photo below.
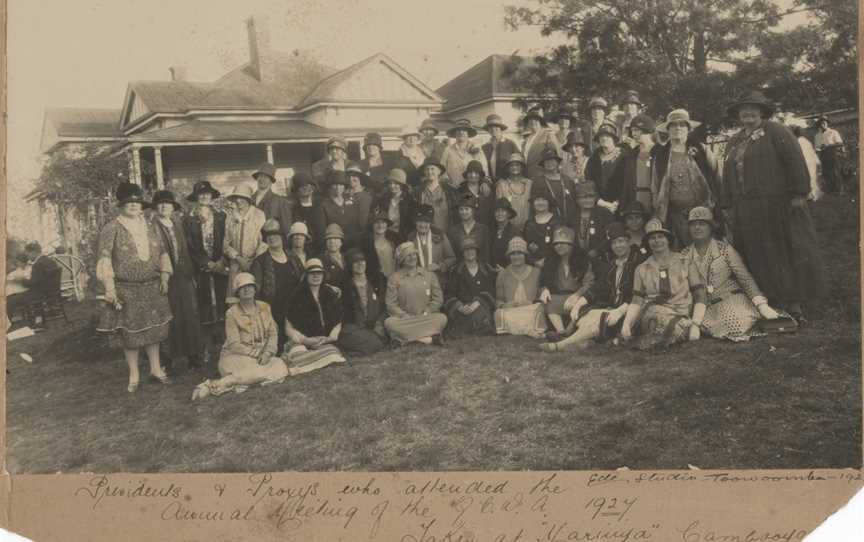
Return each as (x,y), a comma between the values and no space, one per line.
(662,274)
(428,292)
(566,192)
(643,251)
(547,239)
(710,289)
(374,296)
(592,231)
(510,199)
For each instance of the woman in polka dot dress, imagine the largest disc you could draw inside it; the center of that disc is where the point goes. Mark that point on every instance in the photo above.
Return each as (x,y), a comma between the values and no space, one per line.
(735,302)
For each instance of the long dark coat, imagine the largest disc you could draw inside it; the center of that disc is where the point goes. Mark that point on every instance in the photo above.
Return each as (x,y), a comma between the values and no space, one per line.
(185,337)
(211,286)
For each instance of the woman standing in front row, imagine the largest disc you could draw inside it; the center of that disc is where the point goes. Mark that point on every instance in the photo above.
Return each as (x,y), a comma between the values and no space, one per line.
(205,230)
(766,182)
(185,326)
(135,269)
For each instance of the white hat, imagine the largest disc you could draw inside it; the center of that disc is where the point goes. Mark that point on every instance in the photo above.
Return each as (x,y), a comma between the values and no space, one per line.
(243,279)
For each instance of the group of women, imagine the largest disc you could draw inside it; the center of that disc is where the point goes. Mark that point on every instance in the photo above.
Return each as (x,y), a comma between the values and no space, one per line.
(605,238)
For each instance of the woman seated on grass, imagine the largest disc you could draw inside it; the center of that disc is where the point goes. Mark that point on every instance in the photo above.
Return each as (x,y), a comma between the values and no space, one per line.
(516,291)
(611,294)
(249,353)
(735,302)
(363,307)
(668,296)
(313,322)
(413,300)
(470,296)
(565,279)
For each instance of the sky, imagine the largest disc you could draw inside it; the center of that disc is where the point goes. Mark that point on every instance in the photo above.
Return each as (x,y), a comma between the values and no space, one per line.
(82,53)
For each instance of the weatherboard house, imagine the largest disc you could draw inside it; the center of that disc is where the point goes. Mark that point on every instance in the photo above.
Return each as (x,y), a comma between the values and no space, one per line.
(278,107)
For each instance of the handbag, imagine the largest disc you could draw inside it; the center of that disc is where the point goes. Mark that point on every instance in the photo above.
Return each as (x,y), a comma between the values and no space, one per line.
(782,324)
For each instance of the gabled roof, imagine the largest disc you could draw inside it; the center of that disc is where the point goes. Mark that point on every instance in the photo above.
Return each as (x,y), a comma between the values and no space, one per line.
(377,78)
(295,75)
(490,78)
(170,96)
(84,122)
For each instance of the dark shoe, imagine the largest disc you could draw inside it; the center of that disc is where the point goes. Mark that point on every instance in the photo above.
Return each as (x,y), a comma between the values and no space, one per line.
(439,340)
(553,336)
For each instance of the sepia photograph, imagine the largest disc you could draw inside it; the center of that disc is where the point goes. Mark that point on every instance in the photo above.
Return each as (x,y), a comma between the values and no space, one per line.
(394,235)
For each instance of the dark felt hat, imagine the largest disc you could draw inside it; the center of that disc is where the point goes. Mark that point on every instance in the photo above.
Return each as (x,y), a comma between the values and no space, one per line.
(475,166)
(534,113)
(548,154)
(334,177)
(631,97)
(462,124)
(432,161)
(504,203)
(424,212)
(614,230)
(574,139)
(129,193)
(381,216)
(202,187)
(644,123)
(354,255)
(753,97)
(373,138)
(301,179)
(165,196)
(466,199)
(266,168)
(607,128)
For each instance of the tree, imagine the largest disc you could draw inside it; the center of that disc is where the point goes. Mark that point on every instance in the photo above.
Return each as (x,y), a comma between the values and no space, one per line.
(696,54)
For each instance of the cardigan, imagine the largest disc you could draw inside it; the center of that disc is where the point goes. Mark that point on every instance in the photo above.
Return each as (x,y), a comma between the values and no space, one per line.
(315,318)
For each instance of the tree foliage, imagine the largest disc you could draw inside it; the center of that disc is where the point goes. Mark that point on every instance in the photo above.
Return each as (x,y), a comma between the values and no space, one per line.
(82,174)
(696,54)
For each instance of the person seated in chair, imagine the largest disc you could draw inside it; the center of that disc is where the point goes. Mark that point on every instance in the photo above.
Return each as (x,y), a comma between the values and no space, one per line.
(44,281)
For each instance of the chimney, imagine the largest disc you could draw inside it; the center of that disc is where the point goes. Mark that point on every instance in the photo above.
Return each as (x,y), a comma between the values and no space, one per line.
(178,73)
(260,54)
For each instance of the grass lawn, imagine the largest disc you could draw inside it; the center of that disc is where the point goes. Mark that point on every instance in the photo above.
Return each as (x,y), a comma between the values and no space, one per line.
(480,404)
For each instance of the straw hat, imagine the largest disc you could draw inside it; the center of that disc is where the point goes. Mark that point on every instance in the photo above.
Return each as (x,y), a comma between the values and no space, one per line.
(299,228)
(701,213)
(338,142)
(462,124)
(494,120)
(313,265)
(563,235)
(404,250)
(334,231)
(270,227)
(243,191)
(677,115)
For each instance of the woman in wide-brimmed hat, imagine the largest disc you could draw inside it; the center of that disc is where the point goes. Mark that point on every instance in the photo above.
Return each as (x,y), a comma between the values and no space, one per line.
(668,303)
(313,323)
(340,209)
(307,209)
(477,185)
(185,341)
(537,138)
(735,302)
(566,121)
(766,185)
(205,229)
(603,163)
(248,356)
(516,188)
(429,143)
(516,290)
(276,275)
(243,241)
(498,149)
(435,252)
(379,246)
(437,194)
(502,232)
(574,157)
(374,165)
(134,268)
(683,176)
(397,203)
(363,307)
(414,300)
(469,227)
(538,229)
(412,156)
(460,152)
(470,295)
(632,178)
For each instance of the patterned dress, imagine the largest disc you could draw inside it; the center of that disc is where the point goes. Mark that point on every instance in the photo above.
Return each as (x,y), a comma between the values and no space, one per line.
(131,258)
(666,296)
(730,287)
